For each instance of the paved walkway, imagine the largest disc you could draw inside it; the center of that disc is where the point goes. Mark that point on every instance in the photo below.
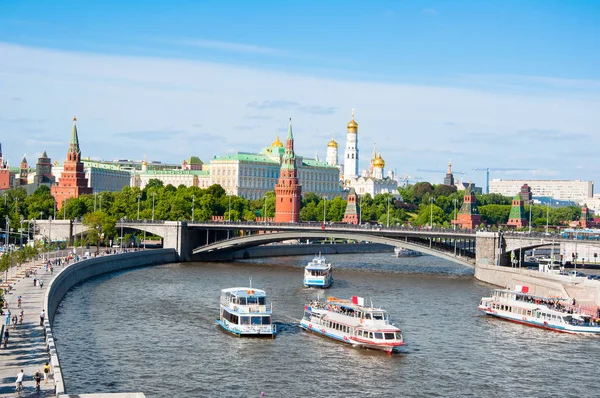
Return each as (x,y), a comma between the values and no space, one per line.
(26,346)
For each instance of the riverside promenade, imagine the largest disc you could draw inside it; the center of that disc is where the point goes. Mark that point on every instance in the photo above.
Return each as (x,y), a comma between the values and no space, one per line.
(26,347)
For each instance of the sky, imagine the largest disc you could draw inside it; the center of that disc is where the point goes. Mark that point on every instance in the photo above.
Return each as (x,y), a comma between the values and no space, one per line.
(501,85)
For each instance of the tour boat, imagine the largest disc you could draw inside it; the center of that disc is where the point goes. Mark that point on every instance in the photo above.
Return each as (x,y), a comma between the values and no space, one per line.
(558,314)
(318,273)
(245,312)
(404,252)
(351,322)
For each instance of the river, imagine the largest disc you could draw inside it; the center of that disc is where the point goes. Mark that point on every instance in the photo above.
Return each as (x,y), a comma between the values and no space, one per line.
(153,330)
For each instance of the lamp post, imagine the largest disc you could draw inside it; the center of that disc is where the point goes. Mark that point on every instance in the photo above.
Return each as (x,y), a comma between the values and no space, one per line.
(54,209)
(454,218)
(21,232)
(138,213)
(530,211)
(360,211)
(153,196)
(229,211)
(193,203)
(431,200)
(95,196)
(100,201)
(49,235)
(265,211)
(324,208)
(81,240)
(144,234)
(547,215)
(121,243)
(388,211)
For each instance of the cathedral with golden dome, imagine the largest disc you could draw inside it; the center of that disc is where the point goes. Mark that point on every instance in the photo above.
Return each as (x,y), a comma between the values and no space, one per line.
(373,180)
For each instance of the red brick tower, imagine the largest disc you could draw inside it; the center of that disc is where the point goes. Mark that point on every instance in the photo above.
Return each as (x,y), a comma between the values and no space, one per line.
(351,215)
(287,190)
(4,172)
(72,182)
(468,216)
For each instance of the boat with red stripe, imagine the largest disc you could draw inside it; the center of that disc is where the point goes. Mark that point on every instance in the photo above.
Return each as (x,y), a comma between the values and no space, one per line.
(352,322)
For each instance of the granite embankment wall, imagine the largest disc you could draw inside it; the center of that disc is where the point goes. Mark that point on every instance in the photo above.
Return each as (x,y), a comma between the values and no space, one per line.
(277,250)
(541,283)
(85,269)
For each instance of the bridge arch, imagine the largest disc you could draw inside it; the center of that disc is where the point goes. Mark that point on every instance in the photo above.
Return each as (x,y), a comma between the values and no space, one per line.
(244,242)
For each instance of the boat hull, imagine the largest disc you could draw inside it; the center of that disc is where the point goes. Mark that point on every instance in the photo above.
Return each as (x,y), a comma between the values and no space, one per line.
(241,331)
(346,338)
(535,322)
(322,283)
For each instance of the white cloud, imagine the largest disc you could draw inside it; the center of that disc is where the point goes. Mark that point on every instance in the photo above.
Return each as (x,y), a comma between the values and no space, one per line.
(415,126)
(233,47)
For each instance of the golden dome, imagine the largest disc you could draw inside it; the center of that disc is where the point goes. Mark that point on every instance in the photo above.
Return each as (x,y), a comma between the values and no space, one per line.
(332,144)
(352,125)
(379,162)
(277,143)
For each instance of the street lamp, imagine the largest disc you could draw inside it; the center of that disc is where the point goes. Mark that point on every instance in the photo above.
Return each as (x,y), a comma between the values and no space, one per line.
(454,218)
(431,200)
(153,196)
(530,211)
(21,232)
(193,202)
(324,208)
(138,198)
(388,210)
(121,243)
(547,215)
(229,212)
(95,196)
(265,212)
(81,240)
(144,234)
(49,235)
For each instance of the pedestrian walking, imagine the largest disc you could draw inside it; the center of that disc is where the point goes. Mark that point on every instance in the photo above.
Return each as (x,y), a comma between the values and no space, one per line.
(46,372)
(42,316)
(19,299)
(7,320)
(38,379)
(41,283)
(34,281)
(14,321)
(6,336)
(19,381)
(21,317)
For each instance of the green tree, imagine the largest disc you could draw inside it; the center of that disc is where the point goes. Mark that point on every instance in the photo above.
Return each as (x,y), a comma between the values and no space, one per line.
(494,214)
(102,226)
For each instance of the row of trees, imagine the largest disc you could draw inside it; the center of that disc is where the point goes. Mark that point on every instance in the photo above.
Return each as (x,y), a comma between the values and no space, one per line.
(423,203)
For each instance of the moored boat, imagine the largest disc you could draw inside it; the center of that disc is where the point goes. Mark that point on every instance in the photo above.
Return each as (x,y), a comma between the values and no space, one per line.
(245,312)
(404,252)
(558,314)
(318,273)
(351,322)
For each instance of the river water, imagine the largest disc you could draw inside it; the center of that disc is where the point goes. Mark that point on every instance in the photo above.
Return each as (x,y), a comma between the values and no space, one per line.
(153,330)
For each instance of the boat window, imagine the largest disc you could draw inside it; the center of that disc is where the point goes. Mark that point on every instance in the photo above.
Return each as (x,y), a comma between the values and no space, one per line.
(528,312)
(377,315)
(266,320)
(256,320)
(245,320)
(370,335)
(261,300)
(398,336)
(252,300)
(379,335)
(390,336)
(306,315)
(368,316)
(242,300)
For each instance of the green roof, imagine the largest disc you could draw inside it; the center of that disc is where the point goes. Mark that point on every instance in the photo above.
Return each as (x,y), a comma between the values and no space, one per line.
(316,163)
(195,160)
(517,211)
(247,157)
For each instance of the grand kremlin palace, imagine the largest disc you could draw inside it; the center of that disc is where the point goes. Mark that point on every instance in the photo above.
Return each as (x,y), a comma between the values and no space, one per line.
(251,175)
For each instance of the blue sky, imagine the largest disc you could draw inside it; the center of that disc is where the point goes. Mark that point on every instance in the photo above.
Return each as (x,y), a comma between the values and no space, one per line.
(488,84)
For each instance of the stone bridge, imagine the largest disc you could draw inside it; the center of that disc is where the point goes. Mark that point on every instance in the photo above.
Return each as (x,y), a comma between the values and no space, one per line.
(207,240)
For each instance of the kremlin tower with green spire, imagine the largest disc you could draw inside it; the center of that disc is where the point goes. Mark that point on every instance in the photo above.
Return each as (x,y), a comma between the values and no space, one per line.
(288,190)
(72,182)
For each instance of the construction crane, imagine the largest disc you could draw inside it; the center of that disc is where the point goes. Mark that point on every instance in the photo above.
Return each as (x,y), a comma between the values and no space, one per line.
(487,174)
(440,171)
(406,179)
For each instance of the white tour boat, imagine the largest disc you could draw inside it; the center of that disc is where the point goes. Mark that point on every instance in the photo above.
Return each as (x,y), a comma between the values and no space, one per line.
(351,322)
(404,252)
(245,312)
(318,273)
(558,314)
